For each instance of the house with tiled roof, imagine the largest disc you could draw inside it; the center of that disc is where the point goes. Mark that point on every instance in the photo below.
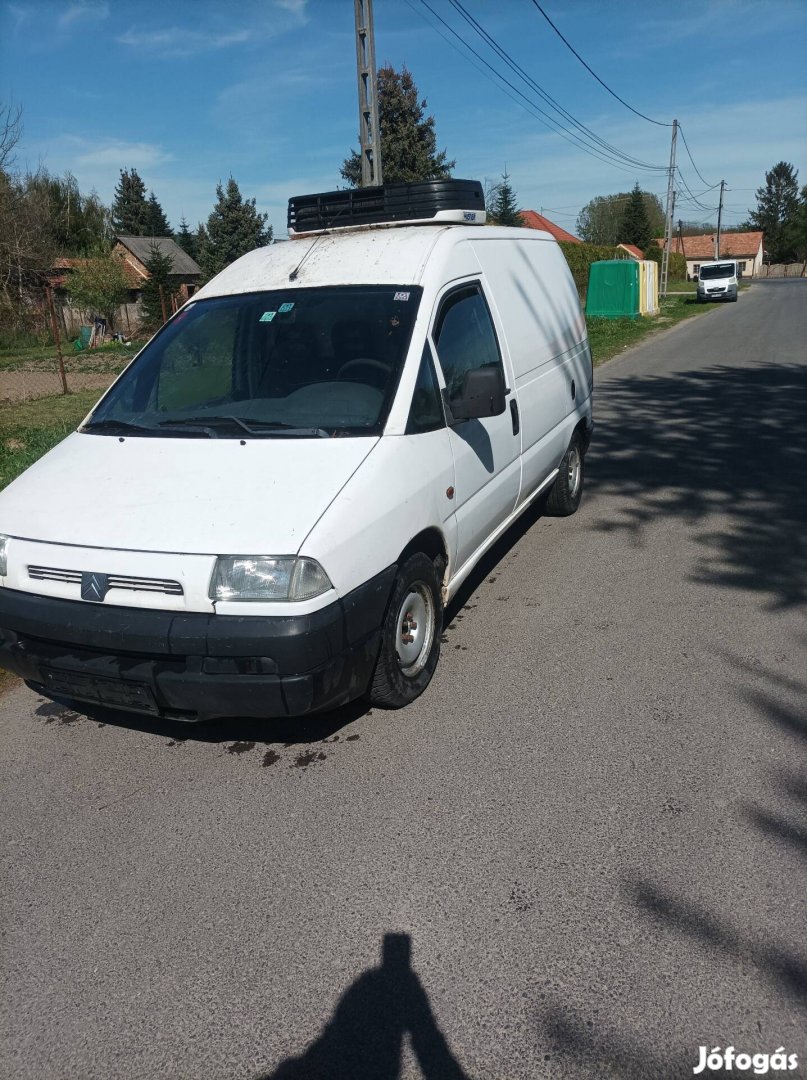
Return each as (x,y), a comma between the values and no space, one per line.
(745,247)
(534,220)
(631,251)
(135,251)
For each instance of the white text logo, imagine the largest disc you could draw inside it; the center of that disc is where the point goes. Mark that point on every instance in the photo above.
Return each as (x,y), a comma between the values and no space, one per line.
(729,1060)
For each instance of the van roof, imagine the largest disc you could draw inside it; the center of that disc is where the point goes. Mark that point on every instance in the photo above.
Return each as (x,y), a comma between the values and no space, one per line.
(367,256)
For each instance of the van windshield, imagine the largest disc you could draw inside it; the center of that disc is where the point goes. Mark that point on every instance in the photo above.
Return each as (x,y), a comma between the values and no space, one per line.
(706,273)
(298,362)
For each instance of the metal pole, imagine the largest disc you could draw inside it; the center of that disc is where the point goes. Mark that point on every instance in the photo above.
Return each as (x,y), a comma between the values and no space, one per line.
(668,221)
(56,338)
(719,217)
(369,131)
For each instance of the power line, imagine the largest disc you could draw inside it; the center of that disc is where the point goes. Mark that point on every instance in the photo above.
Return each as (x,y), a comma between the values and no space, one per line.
(596,76)
(525,103)
(504,55)
(694,166)
(692,197)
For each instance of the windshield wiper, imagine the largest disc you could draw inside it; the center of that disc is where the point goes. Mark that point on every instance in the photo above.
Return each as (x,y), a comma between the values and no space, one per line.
(258,429)
(115,427)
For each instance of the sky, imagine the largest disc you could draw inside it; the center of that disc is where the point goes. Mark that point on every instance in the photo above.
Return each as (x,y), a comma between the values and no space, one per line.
(190,93)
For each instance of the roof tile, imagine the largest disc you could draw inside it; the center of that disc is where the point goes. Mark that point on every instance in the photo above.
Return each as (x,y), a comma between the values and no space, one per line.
(703,246)
(534,220)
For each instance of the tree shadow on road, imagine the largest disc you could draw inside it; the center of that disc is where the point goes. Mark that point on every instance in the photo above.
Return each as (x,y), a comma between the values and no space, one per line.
(727,439)
(363,1040)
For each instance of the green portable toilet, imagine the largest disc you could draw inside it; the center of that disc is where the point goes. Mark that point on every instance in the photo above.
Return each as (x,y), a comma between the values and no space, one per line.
(613,289)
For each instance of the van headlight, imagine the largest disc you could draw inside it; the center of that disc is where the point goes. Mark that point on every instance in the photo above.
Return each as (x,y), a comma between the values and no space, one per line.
(267,577)
(3,555)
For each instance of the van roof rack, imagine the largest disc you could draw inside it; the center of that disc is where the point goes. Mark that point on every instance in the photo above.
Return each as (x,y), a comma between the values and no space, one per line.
(425,202)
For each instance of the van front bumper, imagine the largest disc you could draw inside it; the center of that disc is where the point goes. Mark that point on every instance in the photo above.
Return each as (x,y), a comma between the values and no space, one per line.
(195,666)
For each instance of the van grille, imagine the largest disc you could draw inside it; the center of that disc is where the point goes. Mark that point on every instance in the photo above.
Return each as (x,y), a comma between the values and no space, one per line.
(115,581)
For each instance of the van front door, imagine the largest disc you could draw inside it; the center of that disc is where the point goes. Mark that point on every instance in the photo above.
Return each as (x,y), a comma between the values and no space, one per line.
(487,452)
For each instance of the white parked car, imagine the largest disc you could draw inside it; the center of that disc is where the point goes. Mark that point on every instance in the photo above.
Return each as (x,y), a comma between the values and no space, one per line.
(268,511)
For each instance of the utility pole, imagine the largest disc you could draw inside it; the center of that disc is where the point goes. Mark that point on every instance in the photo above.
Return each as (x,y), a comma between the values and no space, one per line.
(369,132)
(668,221)
(719,217)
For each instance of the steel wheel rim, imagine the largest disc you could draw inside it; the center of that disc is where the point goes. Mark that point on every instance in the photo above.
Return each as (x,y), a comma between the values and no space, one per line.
(414,630)
(575,469)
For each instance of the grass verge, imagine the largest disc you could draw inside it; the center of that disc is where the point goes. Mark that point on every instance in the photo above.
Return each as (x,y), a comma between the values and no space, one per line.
(112,355)
(29,429)
(608,337)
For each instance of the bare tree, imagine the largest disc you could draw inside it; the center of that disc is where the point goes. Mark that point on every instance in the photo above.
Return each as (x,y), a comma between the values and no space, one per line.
(10,133)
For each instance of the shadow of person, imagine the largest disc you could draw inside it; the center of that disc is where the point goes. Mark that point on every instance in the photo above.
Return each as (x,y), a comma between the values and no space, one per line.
(364,1038)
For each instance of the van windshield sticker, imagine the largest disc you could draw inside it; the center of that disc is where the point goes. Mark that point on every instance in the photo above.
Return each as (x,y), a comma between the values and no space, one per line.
(267,316)
(403,296)
(285,308)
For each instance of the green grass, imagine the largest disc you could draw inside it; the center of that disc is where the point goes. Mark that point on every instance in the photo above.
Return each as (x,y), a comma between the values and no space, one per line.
(110,356)
(608,337)
(29,429)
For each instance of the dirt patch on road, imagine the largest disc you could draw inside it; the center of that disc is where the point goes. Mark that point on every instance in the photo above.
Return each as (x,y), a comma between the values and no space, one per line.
(7,681)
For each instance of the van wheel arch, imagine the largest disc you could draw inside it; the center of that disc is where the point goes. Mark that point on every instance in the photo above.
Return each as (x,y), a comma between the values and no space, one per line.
(430,542)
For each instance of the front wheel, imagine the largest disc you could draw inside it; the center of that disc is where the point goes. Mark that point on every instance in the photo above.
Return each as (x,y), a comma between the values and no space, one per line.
(410,636)
(567,491)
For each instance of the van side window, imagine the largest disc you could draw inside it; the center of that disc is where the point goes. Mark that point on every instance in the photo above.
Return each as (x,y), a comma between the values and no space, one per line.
(426,411)
(465,337)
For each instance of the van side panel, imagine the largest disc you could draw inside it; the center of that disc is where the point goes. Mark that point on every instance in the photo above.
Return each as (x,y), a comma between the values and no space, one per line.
(537,303)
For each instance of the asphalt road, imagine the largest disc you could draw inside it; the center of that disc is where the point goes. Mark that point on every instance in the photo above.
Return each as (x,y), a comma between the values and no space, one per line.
(582,853)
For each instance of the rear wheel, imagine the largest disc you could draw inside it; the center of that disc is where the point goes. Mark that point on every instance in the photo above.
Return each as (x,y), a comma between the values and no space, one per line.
(410,636)
(567,491)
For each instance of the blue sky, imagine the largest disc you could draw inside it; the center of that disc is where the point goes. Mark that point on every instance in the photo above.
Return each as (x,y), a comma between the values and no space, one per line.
(265,90)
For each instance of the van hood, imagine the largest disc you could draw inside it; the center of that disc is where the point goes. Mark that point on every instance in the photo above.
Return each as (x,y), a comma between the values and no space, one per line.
(203,496)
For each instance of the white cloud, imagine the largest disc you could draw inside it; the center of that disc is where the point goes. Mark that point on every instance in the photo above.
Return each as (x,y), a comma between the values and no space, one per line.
(181,41)
(294,7)
(84,9)
(140,155)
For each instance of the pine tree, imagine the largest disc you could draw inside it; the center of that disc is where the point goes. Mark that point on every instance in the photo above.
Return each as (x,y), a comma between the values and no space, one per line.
(130,208)
(503,208)
(777,211)
(187,240)
(408,139)
(156,222)
(635,227)
(233,228)
(159,268)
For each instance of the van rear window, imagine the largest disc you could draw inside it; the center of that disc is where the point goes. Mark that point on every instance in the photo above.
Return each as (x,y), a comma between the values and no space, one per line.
(318,361)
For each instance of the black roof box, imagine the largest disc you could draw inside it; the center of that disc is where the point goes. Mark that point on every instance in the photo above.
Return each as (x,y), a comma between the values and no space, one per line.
(423,202)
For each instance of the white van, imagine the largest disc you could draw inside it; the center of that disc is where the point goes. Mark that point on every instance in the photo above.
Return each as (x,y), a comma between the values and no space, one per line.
(268,511)
(718,281)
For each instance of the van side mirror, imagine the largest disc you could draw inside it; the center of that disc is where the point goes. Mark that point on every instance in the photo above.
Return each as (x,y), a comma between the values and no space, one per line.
(483,393)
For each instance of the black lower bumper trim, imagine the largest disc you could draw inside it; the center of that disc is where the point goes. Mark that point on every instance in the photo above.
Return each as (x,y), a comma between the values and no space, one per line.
(195,666)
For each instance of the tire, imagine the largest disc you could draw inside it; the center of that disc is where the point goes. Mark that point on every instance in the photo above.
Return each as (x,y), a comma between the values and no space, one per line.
(567,491)
(404,667)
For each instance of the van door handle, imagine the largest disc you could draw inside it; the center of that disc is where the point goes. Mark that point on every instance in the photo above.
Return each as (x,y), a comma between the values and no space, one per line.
(514,415)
